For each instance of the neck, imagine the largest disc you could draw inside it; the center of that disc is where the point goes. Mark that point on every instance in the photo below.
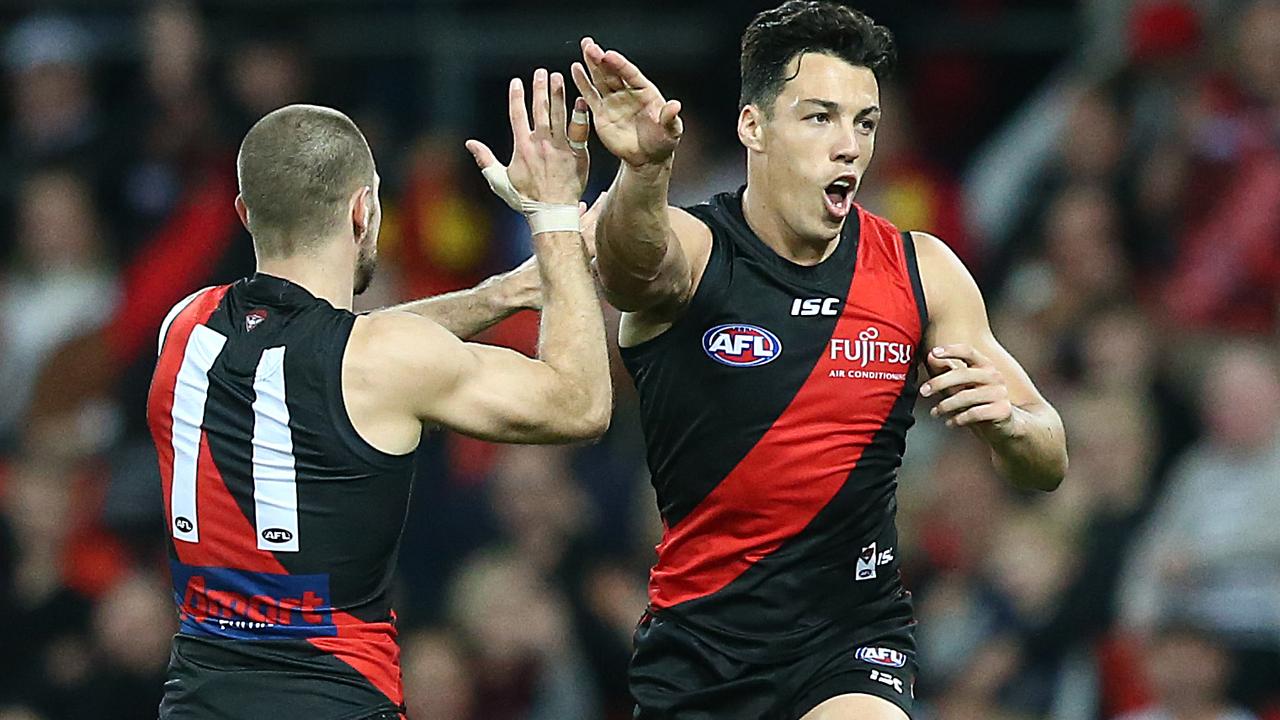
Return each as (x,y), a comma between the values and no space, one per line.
(774,231)
(316,274)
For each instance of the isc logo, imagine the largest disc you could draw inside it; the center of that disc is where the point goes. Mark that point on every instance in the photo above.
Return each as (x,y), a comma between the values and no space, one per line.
(887,657)
(809,307)
(741,345)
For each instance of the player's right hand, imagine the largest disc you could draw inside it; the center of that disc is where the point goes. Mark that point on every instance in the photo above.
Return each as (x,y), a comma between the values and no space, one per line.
(543,166)
(631,117)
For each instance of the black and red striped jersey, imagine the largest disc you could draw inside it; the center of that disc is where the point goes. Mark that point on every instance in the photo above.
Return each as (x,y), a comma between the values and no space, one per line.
(775,413)
(284,524)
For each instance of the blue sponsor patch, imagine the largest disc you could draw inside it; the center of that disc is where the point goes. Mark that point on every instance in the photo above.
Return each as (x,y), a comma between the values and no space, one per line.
(741,345)
(226,603)
(888,657)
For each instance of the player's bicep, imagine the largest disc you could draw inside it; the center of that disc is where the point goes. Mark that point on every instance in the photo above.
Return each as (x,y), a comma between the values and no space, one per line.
(486,392)
(503,396)
(958,316)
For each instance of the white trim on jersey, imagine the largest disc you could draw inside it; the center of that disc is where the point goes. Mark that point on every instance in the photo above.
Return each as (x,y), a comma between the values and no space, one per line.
(190,393)
(168,319)
(275,479)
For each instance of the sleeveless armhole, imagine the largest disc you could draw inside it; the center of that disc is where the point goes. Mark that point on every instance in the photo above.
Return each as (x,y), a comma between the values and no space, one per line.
(715,278)
(917,287)
(337,403)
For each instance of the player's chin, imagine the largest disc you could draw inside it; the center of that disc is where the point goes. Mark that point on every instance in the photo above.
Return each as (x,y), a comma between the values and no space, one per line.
(828,225)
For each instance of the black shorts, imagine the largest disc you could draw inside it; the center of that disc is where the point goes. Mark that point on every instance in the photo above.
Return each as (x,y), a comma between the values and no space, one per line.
(210,679)
(676,676)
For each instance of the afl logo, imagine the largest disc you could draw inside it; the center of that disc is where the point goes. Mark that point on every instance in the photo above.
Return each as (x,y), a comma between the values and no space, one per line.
(887,657)
(183,524)
(740,345)
(277,535)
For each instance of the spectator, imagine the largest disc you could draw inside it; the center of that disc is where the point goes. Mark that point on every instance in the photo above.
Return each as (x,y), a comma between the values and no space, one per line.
(1227,272)
(1188,672)
(176,141)
(60,287)
(1082,268)
(1211,550)
(55,116)
(527,663)
(437,679)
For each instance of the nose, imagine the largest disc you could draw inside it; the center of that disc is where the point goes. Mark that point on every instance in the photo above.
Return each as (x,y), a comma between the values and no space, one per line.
(847,148)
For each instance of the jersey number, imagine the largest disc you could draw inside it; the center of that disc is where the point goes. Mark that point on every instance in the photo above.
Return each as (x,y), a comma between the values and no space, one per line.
(275,489)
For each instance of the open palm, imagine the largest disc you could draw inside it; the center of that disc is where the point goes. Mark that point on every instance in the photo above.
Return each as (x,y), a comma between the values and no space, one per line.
(632,119)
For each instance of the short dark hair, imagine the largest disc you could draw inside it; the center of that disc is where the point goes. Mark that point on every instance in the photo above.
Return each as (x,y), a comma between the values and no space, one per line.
(297,167)
(800,26)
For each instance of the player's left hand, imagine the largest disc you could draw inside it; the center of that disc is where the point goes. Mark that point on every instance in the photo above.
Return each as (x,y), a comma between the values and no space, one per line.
(549,160)
(973,392)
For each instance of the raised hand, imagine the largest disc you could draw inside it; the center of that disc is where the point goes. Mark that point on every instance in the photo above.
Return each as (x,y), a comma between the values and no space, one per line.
(632,119)
(544,168)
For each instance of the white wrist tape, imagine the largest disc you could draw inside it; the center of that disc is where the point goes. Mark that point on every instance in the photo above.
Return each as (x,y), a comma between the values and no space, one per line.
(543,217)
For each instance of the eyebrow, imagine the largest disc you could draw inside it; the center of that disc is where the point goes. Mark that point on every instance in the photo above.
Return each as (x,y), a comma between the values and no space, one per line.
(832,106)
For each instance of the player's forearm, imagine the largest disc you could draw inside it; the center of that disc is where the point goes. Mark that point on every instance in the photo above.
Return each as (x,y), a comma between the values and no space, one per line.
(466,313)
(571,340)
(1033,455)
(633,235)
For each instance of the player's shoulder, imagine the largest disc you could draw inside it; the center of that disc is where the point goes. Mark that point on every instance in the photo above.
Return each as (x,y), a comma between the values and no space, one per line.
(684,218)
(934,255)
(187,304)
(698,219)
(947,283)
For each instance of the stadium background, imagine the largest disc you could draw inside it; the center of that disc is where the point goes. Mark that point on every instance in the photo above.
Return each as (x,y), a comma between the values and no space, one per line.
(1110,171)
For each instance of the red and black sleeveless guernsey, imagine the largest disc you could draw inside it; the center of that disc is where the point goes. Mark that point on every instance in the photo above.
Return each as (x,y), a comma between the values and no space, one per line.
(775,413)
(284,524)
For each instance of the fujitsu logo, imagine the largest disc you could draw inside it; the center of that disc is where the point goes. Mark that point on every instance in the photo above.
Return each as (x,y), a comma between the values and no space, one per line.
(868,349)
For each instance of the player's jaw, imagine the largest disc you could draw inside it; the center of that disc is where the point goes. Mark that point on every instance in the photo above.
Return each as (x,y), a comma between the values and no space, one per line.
(366,265)
(367,249)
(812,205)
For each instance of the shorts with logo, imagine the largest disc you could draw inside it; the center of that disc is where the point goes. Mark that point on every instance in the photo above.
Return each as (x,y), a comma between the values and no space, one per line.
(282,680)
(677,676)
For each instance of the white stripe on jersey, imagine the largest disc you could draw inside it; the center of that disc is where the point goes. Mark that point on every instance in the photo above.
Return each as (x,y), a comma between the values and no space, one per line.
(275,488)
(189,395)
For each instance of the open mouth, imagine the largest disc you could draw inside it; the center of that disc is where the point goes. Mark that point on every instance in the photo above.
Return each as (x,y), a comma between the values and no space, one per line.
(838,197)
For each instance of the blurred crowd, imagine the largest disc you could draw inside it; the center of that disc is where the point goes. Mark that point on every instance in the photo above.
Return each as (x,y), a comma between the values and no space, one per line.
(1135,273)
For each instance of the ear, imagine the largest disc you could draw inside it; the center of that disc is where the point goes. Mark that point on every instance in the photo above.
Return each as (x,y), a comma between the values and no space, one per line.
(242,211)
(751,128)
(361,212)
